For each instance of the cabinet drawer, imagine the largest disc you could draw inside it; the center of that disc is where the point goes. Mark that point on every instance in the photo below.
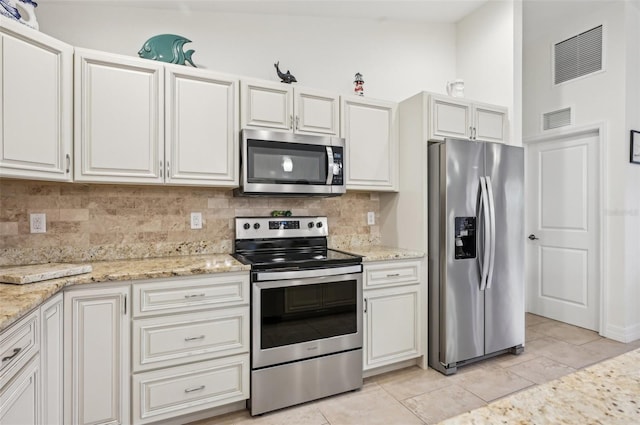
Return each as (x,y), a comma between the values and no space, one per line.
(188,293)
(17,345)
(171,340)
(390,273)
(179,390)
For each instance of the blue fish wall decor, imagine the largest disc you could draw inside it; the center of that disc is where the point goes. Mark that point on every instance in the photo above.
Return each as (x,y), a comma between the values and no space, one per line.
(167,48)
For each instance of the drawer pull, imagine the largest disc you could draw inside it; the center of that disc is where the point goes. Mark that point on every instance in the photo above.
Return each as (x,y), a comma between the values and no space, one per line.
(194,338)
(393,275)
(195,296)
(15,353)
(190,390)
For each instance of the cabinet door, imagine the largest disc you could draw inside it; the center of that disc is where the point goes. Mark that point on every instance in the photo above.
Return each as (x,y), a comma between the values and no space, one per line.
(201,127)
(490,123)
(449,117)
(20,400)
(266,105)
(35,113)
(316,112)
(119,123)
(370,132)
(391,326)
(97,353)
(51,355)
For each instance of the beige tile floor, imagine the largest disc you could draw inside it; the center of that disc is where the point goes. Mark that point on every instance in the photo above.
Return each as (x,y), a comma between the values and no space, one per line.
(415,396)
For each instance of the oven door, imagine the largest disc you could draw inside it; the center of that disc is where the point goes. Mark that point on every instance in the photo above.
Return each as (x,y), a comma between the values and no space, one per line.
(296,319)
(291,164)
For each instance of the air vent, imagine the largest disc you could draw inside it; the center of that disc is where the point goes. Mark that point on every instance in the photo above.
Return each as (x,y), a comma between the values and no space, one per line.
(555,119)
(579,55)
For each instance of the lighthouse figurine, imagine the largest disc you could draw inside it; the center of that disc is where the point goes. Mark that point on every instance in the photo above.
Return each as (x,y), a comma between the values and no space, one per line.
(359,82)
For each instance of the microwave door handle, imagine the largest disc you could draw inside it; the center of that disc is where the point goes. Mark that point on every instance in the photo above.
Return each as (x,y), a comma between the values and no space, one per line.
(329,165)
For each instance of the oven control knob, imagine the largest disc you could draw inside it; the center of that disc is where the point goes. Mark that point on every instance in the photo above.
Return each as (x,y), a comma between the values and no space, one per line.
(256,226)
(246,226)
(310,225)
(319,224)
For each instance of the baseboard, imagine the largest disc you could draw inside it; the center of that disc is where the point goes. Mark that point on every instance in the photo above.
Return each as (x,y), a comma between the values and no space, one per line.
(622,334)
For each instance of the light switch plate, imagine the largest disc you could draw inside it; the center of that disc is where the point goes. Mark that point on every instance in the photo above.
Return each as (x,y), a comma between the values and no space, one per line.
(371,218)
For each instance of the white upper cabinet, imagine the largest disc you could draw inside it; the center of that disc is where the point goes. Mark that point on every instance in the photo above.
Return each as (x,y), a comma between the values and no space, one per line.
(284,107)
(459,118)
(201,127)
(370,131)
(119,126)
(36,115)
(143,121)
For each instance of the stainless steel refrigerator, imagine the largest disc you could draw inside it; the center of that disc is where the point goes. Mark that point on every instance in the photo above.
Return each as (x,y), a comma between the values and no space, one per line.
(476,252)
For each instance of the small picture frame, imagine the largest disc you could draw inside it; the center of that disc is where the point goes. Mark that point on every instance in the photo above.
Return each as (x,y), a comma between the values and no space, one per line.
(635,147)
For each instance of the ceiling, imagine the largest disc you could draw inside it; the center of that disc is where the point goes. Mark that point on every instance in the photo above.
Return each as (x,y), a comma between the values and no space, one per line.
(419,11)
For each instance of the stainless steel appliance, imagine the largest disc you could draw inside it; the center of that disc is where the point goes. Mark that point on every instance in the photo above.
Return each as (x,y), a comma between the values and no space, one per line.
(287,164)
(306,311)
(476,252)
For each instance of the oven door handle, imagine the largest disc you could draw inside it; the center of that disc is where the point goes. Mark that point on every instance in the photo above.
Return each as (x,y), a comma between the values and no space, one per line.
(303,274)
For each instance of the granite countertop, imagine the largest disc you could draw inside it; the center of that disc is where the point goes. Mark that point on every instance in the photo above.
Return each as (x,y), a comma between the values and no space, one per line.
(381,253)
(605,393)
(17,300)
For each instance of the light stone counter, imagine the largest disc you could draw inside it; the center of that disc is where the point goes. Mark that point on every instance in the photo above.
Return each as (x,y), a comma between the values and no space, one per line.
(605,393)
(381,253)
(17,300)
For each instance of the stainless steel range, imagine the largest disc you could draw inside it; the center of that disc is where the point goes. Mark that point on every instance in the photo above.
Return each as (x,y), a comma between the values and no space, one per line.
(306,308)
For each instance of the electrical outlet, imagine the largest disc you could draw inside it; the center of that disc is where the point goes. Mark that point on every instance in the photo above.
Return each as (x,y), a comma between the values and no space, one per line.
(38,223)
(371,218)
(196,220)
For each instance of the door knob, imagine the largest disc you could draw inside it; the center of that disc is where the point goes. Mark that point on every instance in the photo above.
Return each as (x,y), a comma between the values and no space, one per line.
(532,237)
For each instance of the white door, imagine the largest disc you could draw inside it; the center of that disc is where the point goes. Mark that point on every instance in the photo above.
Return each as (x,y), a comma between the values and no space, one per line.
(266,105)
(562,215)
(316,112)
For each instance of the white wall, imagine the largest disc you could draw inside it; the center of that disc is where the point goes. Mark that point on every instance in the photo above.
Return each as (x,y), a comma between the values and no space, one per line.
(488,58)
(397,59)
(599,98)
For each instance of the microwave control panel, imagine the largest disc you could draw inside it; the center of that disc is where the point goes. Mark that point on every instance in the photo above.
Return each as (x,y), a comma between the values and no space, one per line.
(338,174)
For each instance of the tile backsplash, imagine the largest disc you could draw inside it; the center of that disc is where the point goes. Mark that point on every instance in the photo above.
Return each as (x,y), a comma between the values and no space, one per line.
(91,222)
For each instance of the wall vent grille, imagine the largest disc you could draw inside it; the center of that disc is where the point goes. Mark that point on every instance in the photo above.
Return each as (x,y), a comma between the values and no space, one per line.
(578,56)
(555,119)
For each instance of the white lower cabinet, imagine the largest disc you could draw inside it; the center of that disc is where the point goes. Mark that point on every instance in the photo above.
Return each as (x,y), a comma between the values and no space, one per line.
(20,399)
(51,360)
(97,353)
(392,312)
(190,345)
(174,391)
(31,372)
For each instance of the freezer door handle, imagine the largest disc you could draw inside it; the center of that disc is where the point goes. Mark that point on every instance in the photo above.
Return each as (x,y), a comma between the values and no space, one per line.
(492,231)
(484,206)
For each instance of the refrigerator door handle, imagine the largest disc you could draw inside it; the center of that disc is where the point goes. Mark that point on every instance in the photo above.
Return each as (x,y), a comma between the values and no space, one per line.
(492,230)
(484,207)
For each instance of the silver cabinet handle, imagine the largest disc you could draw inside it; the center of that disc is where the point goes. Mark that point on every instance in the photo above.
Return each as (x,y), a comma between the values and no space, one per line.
(291,121)
(475,133)
(190,390)
(365,305)
(160,168)
(15,353)
(533,237)
(297,122)
(168,170)
(393,275)
(195,295)
(194,338)
(68,163)
(471,132)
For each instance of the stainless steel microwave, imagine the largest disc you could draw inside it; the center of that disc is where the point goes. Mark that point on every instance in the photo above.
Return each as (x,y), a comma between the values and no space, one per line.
(288,164)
